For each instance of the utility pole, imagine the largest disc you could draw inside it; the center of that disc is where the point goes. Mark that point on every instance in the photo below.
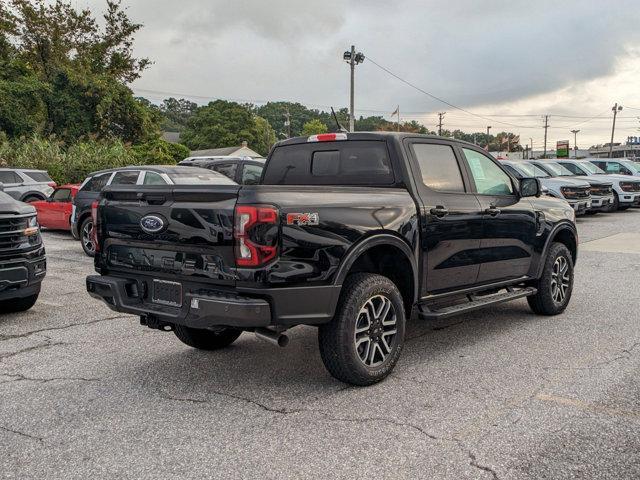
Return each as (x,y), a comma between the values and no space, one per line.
(531,140)
(488,128)
(287,122)
(575,143)
(546,126)
(616,108)
(440,117)
(353,59)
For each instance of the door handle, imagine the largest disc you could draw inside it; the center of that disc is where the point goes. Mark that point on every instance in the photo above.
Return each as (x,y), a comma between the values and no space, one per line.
(492,210)
(439,211)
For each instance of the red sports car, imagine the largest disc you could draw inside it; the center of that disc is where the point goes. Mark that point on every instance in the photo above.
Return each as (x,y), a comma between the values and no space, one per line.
(55,212)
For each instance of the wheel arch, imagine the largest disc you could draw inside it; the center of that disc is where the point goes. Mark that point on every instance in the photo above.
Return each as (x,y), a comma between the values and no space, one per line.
(566,234)
(386,255)
(33,193)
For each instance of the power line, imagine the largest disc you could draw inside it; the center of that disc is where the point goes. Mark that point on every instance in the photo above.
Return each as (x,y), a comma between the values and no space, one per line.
(406,82)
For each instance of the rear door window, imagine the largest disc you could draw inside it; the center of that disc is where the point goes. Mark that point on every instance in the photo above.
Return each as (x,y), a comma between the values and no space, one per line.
(8,177)
(438,167)
(251,174)
(96,183)
(330,163)
(227,169)
(125,177)
(38,176)
(153,178)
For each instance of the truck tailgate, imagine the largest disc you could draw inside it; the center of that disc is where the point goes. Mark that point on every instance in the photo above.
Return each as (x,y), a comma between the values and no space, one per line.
(184,231)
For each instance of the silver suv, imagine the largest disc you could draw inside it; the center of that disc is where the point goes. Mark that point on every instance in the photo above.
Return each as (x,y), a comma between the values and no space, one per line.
(26,185)
(626,190)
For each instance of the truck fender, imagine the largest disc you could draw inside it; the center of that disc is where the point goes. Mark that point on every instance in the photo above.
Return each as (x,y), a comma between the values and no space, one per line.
(375,240)
(32,193)
(565,226)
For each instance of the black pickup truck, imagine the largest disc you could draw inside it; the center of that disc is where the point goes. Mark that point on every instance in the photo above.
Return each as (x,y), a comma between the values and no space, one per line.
(23,263)
(348,232)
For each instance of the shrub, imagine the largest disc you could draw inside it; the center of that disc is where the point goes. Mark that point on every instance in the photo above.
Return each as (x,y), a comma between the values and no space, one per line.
(73,163)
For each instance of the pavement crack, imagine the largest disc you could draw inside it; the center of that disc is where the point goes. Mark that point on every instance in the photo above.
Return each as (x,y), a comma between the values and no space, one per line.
(63,327)
(22,434)
(388,421)
(30,349)
(267,408)
(474,463)
(18,377)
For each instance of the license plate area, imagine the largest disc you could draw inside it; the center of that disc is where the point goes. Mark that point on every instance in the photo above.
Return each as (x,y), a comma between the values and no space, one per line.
(167,293)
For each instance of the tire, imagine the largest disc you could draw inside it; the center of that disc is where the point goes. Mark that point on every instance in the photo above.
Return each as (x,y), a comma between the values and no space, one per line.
(624,207)
(552,298)
(345,347)
(32,198)
(591,212)
(616,203)
(86,227)
(206,339)
(19,304)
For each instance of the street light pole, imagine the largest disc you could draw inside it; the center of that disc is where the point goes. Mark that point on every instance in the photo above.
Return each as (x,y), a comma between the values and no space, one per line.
(353,59)
(575,143)
(616,108)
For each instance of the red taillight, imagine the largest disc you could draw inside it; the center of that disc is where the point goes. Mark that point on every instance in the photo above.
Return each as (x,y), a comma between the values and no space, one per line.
(249,253)
(327,137)
(94,230)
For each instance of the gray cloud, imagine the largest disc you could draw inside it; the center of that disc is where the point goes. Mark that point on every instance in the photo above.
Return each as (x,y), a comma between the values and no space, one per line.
(469,52)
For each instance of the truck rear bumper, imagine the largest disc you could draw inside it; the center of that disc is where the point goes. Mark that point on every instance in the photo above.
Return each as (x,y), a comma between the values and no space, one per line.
(208,308)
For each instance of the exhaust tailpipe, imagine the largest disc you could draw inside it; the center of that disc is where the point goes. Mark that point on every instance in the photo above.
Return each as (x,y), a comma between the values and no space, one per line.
(279,339)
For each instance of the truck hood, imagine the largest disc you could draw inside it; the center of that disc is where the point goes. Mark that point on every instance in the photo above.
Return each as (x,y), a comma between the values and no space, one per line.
(10,205)
(557,182)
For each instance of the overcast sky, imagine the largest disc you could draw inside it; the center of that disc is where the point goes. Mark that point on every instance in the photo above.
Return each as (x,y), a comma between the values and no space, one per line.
(562,57)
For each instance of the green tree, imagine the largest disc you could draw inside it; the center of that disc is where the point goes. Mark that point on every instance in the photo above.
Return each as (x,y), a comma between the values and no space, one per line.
(275,114)
(74,70)
(176,113)
(224,124)
(313,127)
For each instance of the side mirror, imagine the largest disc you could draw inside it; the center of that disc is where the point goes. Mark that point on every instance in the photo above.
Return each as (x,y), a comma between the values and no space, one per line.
(530,187)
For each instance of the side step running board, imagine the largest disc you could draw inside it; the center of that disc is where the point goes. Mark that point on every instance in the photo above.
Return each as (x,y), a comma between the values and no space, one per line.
(474,302)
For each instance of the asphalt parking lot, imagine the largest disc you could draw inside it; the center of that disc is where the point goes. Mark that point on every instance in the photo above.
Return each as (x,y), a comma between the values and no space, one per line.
(501,393)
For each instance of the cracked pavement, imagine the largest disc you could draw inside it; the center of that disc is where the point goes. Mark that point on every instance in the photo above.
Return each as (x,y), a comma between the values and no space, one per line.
(495,394)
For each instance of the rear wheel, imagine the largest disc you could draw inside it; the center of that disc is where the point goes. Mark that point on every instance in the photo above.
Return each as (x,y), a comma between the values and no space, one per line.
(556,283)
(19,304)
(86,237)
(363,342)
(206,339)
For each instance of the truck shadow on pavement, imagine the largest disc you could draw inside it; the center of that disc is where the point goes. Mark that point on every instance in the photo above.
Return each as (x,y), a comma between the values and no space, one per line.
(251,367)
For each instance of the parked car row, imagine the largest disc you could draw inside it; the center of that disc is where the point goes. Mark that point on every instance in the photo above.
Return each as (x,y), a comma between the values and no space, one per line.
(585,186)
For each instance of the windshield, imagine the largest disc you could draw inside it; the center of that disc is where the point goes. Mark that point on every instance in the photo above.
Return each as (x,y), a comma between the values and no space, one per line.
(557,170)
(200,178)
(530,170)
(631,165)
(591,168)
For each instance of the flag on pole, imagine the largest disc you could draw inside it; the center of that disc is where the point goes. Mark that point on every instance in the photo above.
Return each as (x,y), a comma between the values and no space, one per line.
(395,112)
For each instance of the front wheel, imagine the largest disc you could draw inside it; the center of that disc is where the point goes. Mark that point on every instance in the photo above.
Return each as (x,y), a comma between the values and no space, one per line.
(556,283)
(206,339)
(18,304)
(363,342)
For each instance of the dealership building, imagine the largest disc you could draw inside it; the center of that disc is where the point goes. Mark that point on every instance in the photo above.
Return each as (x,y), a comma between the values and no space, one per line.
(629,149)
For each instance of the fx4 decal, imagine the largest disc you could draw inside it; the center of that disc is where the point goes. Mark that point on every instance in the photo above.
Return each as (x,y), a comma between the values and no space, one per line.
(303,219)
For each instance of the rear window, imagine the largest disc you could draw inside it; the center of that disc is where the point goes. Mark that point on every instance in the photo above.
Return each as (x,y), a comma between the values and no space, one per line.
(330,163)
(38,176)
(97,183)
(200,178)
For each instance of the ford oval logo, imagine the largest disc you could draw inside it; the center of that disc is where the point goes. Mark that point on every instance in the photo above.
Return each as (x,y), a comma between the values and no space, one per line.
(152,223)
